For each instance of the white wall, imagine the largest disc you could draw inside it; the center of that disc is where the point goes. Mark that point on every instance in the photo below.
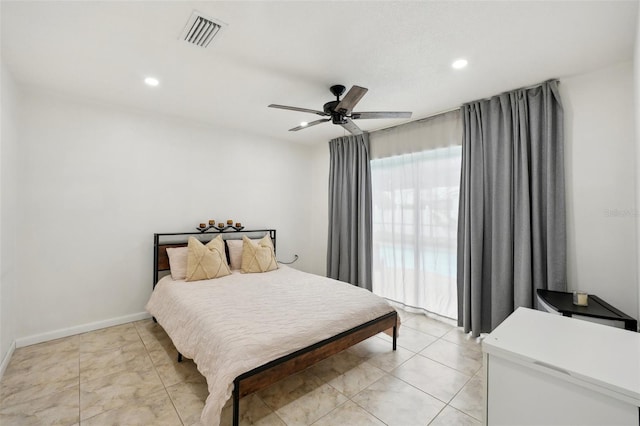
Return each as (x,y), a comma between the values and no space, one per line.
(319,207)
(97,181)
(600,184)
(8,214)
(637,118)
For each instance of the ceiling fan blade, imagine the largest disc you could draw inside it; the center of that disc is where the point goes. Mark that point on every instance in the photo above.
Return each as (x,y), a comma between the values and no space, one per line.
(351,127)
(313,123)
(312,111)
(380,114)
(350,100)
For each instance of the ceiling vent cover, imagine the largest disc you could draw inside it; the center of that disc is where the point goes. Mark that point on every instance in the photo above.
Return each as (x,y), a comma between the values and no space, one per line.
(200,30)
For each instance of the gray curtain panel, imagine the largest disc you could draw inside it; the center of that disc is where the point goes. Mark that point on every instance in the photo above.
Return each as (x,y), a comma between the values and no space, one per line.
(349,245)
(511,223)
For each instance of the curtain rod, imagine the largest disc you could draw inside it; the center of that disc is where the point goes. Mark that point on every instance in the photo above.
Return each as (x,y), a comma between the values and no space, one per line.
(533,86)
(446,111)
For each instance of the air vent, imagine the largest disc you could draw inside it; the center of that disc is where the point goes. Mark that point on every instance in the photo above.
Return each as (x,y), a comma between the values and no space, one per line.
(200,30)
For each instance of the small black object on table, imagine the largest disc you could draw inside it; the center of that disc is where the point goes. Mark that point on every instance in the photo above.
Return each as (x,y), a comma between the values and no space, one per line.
(597,308)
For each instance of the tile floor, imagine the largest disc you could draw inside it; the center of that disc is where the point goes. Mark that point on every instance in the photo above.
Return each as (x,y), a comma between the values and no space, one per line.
(128,375)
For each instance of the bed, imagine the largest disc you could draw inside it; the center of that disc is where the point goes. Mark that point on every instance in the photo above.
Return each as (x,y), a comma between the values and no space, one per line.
(247,331)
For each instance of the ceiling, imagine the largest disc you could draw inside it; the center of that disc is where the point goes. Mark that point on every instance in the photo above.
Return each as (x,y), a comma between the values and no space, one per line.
(290,52)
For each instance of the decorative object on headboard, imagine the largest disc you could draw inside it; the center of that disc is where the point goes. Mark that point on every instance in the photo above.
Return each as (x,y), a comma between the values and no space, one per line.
(203,227)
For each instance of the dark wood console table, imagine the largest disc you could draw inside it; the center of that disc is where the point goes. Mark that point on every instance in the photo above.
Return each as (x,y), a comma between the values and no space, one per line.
(597,308)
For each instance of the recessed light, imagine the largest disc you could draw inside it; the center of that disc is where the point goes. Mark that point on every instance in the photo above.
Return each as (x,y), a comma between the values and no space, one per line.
(304,124)
(459,64)
(150,81)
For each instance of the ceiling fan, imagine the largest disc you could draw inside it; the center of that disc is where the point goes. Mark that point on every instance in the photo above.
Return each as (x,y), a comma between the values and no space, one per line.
(341,111)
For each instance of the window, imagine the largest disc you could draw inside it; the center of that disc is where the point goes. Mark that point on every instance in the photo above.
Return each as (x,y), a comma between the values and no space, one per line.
(415,219)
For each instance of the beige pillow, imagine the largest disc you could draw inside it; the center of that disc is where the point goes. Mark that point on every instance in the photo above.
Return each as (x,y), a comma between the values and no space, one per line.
(258,257)
(235,252)
(206,262)
(178,262)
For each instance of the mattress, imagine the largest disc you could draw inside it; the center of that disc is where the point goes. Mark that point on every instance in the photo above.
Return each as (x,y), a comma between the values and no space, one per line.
(236,323)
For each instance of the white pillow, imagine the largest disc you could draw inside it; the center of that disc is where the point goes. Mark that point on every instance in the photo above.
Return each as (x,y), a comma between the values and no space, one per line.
(178,262)
(235,252)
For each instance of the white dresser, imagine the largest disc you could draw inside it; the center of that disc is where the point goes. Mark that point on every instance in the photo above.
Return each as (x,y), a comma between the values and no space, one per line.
(543,369)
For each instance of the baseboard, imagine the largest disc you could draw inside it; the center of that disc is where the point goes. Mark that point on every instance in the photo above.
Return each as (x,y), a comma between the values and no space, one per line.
(70,331)
(7,358)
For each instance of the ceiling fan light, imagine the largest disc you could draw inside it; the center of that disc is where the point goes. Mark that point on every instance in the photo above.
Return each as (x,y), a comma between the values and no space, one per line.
(459,64)
(150,81)
(304,124)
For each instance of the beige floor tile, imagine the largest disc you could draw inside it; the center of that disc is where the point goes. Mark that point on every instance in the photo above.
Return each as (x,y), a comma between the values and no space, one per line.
(388,362)
(349,413)
(397,403)
(253,411)
(432,377)
(379,353)
(353,381)
(371,347)
(56,409)
(458,336)
(173,372)
(154,409)
(17,388)
(336,365)
(470,399)
(17,395)
(42,369)
(109,338)
(451,417)
(63,344)
(130,357)
(117,390)
(461,358)
(162,352)
(290,388)
(428,325)
(411,339)
(189,400)
(148,326)
(311,406)
(43,355)
(302,398)
(151,332)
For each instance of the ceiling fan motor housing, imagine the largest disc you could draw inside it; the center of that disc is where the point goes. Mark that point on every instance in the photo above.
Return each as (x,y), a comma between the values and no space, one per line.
(336,117)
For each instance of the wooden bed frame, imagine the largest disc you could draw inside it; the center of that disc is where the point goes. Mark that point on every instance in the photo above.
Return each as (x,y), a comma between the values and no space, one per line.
(273,371)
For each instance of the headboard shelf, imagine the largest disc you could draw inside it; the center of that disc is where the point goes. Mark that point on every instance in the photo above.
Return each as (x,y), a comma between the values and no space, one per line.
(162,241)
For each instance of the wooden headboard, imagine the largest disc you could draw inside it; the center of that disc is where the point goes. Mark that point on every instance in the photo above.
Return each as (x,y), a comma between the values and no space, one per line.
(179,239)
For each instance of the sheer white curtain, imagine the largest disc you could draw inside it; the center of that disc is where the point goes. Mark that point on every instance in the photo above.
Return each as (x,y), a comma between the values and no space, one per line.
(415,177)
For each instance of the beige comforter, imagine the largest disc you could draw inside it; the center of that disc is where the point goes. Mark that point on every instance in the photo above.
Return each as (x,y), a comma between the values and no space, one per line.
(233,324)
